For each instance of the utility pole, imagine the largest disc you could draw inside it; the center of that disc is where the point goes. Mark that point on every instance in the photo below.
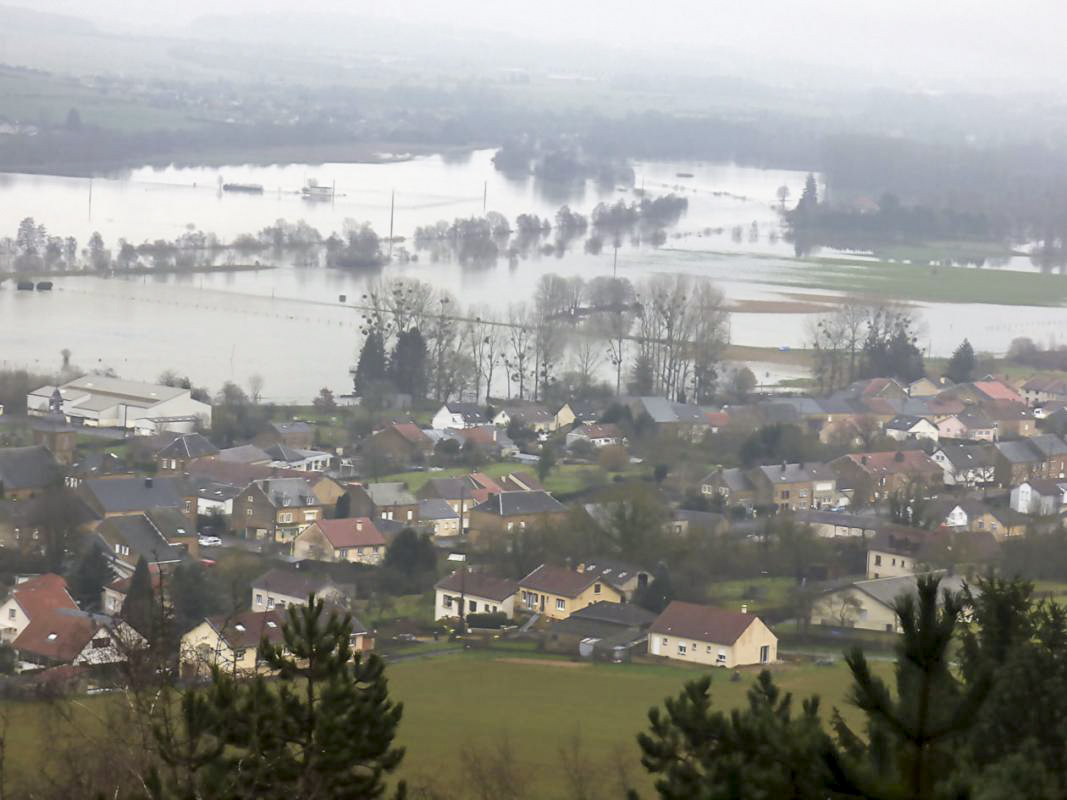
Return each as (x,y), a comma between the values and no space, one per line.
(90,198)
(485,195)
(392,211)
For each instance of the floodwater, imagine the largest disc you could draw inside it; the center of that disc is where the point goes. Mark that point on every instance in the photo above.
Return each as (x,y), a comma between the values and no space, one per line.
(288,324)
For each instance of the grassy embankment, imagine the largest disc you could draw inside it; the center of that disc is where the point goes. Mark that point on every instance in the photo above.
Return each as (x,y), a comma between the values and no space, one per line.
(471,701)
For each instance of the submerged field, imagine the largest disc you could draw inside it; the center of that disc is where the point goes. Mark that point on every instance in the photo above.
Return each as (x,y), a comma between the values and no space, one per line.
(471,703)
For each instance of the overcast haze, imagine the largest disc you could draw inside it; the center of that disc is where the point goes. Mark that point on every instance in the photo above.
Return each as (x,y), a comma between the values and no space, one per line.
(945,44)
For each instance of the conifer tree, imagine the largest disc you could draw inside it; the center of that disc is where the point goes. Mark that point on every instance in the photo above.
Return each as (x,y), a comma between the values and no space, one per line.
(371,367)
(91,574)
(139,607)
(323,730)
(960,367)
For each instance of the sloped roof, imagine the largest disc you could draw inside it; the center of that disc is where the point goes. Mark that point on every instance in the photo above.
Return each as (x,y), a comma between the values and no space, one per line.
(124,494)
(353,532)
(515,504)
(594,430)
(470,412)
(58,635)
(43,594)
(187,446)
(702,623)
(899,540)
(894,462)
(558,581)
(625,614)
(436,508)
(293,426)
(411,433)
(1019,451)
(392,493)
(25,468)
(244,454)
(144,539)
(903,422)
(479,584)
(292,582)
(520,482)
(996,390)
(797,473)
(969,456)
(610,570)
(288,492)
(246,630)
(887,590)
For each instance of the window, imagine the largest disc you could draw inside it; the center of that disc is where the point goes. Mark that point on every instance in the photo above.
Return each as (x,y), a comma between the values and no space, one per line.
(785,494)
(511,525)
(681,649)
(878,561)
(259,599)
(310,516)
(664,640)
(100,643)
(889,628)
(560,604)
(286,517)
(248,512)
(270,603)
(446,600)
(238,654)
(472,605)
(249,498)
(524,596)
(894,562)
(344,552)
(11,613)
(410,514)
(596,588)
(709,648)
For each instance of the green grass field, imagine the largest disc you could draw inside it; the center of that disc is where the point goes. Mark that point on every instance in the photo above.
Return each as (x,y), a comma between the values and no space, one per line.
(926,283)
(471,702)
(757,593)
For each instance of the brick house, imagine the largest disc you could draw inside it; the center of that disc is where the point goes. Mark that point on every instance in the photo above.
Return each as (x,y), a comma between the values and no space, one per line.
(276,509)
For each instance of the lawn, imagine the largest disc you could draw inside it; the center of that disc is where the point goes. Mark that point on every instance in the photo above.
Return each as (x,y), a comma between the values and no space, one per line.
(757,593)
(928,283)
(472,701)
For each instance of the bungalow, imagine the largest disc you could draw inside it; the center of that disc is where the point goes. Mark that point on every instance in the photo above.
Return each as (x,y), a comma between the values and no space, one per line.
(686,421)
(281,588)
(31,598)
(74,637)
(895,551)
(711,636)
(870,604)
(627,578)
(276,509)
(977,517)
(967,465)
(459,416)
(391,501)
(904,428)
(535,417)
(183,448)
(355,540)
(1042,497)
(557,592)
(580,412)
(608,631)
(26,471)
(513,511)
(833,524)
(597,435)
(482,593)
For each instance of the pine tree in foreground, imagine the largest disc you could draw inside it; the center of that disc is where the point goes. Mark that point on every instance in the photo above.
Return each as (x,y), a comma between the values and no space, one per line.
(322,730)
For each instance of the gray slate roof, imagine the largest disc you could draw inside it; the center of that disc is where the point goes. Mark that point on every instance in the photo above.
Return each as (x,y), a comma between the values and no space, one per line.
(1019,452)
(292,582)
(887,590)
(390,494)
(435,508)
(144,539)
(624,614)
(23,468)
(969,456)
(286,492)
(797,473)
(188,445)
(120,495)
(514,504)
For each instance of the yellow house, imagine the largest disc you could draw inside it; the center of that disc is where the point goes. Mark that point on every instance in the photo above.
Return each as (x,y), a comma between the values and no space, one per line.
(711,636)
(232,642)
(557,592)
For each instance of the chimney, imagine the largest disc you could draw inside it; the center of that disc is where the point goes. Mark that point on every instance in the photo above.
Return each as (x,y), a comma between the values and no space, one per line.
(744,608)
(359,525)
(148,482)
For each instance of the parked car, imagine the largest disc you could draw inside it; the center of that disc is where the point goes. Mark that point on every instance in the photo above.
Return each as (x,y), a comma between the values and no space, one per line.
(204,540)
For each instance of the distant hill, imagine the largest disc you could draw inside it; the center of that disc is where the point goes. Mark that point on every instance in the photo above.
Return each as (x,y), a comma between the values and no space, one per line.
(25,19)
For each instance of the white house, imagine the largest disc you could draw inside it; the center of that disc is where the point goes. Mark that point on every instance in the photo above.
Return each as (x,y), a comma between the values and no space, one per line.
(1039,496)
(281,588)
(598,435)
(711,636)
(483,594)
(459,416)
(903,428)
(102,402)
(966,464)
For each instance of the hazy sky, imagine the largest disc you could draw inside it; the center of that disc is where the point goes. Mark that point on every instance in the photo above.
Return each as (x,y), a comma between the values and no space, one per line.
(942,40)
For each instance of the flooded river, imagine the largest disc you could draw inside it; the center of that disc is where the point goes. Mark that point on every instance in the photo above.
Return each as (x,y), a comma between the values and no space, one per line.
(287,323)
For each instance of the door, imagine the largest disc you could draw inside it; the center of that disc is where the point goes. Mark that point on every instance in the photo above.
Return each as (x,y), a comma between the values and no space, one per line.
(764,654)
(542,604)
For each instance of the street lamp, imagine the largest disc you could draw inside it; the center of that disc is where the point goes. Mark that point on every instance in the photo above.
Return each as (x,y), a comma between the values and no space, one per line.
(462,559)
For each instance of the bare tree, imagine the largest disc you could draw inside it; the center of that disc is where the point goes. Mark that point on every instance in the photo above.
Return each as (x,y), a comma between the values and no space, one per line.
(255,387)
(586,356)
(520,348)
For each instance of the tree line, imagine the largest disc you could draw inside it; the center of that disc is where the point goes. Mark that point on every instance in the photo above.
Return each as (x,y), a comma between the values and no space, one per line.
(663,336)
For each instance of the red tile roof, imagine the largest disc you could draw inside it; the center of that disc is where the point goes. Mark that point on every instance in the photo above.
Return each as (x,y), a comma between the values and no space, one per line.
(894,462)
(354,532)
(58,635)
(702,623)
(995,390)
(479,584)
(42,595)
(559,581)
(413,434)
